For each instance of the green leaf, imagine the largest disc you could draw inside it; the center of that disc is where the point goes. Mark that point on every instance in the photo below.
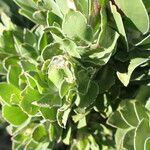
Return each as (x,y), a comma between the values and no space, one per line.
(6,92)
(51,50)
(40,17)
(130,9)
(142,133)
(14,115)
(49,113)
(133,119)
(84,143)
(30,95)
(42,42)
(105,78)
(119,23)
(128,141)
(117,121)
(108,42)
(33,80)
(63,115)
(145,41)
(31,145)
(2,70)
(51,99)
(13,75)
(119,136)
(51,5)
(28,14)
(8,61)
(103,26)
(70,47)
(28,51)
(55,132)
(89,98)
(129,114)
(7,42)
(27,5)
(64,88)
(83,6)
(147,145)
(28,65)
(59,87)
(83,81)
(134,63)
(29,37)
(55,31)
(53,18)
(143,94)
(40,133)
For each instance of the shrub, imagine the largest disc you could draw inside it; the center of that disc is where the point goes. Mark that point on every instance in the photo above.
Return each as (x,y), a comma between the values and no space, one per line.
(79,79)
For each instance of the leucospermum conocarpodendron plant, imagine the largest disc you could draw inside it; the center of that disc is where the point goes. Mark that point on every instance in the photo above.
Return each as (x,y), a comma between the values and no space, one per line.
(79,79)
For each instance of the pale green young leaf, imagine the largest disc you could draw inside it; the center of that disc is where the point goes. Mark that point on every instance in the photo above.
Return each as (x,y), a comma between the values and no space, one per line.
(7,22)
(63,4)
(67,139)
(75,30)
(55,75)
(130,9)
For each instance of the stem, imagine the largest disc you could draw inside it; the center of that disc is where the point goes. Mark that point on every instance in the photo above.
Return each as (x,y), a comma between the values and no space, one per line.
(89,10)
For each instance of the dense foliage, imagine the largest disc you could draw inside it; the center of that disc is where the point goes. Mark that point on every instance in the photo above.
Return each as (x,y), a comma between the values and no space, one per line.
(80,78)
